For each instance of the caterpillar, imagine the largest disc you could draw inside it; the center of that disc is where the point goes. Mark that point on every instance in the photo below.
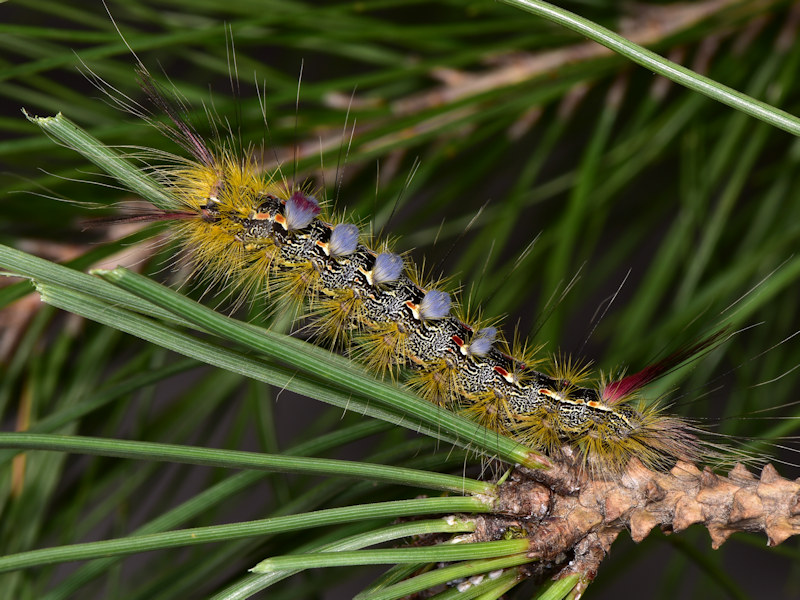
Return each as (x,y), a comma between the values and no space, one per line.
(263,234)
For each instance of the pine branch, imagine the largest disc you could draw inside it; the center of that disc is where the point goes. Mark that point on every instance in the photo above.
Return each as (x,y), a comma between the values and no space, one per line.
(571,519)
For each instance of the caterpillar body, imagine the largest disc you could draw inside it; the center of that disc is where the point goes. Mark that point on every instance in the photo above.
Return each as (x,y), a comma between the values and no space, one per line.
(262,231)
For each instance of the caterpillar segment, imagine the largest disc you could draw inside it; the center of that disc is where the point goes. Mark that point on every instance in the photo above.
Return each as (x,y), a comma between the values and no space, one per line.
(373,305)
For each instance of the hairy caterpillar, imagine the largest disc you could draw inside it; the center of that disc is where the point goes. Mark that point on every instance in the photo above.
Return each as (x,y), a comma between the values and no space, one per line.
(262,233)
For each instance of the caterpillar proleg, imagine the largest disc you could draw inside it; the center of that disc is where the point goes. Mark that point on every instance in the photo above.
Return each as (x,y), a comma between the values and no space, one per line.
(621,457)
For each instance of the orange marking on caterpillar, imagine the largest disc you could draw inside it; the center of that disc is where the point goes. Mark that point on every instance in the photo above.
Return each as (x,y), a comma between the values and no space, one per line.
(414,308)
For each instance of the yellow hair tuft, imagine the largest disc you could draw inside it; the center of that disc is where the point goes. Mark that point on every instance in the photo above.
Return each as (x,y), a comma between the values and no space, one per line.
(490,410)
(382,347)
(569,372)
(337,316)
(436,381)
